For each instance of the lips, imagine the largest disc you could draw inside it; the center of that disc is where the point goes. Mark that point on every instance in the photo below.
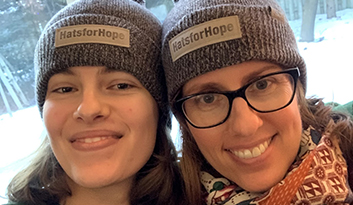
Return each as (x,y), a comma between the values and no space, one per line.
(94,140)
(94,136)
(251,152)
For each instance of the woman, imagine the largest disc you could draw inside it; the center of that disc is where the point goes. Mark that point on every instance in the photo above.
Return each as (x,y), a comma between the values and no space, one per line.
(102,97)
(236,83)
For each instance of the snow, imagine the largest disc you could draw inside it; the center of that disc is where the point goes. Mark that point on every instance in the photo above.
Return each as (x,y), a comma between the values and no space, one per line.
(329,64)
(329,58)
(160,12)
(20,136)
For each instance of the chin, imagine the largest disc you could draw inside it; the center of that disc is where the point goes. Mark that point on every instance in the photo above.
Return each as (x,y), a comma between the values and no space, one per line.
(260,184)
(90,182)
(258,188)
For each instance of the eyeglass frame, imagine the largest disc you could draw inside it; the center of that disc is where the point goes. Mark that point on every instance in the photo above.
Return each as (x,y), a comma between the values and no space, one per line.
(231,95)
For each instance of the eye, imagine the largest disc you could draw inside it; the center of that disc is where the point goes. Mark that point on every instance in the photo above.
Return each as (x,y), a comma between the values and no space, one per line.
(122,86)
(64,90)
(205,98)
(261,84)
(209,98)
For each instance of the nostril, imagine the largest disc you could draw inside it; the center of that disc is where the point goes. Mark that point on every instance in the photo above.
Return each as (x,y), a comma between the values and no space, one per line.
(98,117)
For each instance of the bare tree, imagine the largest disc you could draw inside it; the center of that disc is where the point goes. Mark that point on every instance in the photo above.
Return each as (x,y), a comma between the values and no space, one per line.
(330,9)
(308,21)
(20,28)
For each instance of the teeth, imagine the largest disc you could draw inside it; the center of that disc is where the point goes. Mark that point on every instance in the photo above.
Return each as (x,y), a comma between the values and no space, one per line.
(251,153)
(256,152)
(241,154)
(91,140)
(247,154)
(262,148)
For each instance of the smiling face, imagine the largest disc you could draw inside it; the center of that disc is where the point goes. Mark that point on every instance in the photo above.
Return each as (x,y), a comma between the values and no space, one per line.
(102,125)
(250,148)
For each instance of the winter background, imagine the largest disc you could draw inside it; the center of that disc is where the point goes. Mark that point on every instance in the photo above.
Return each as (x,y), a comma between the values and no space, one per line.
(328,59)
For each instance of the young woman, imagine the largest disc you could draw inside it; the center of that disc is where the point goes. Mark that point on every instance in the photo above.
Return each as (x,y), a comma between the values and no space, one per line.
(236,83)
(102,97)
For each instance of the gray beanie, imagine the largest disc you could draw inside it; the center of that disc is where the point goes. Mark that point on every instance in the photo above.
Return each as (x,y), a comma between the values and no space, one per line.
(118,34)
(200,36)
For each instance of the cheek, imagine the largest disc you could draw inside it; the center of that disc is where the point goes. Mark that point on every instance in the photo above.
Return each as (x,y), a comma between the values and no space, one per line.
(52,116)
(291,117)
(56,117)
(206,139)
(144,127)
(54,121)
(142,118)
(143,114)
(288,122)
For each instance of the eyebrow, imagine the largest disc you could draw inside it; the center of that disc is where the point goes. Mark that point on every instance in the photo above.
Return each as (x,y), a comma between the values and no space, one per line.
(214,86)
(202,88)
(105,70)
(66,72)
(251,76)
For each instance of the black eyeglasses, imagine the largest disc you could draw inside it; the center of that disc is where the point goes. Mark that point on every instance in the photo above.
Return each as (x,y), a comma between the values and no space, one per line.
(267,93)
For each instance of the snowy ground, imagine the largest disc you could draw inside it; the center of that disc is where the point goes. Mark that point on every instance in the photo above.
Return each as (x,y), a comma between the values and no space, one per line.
(329,63)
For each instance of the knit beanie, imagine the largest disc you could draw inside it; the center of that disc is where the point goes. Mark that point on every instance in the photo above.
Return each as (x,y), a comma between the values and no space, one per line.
(200,36)
(119,34)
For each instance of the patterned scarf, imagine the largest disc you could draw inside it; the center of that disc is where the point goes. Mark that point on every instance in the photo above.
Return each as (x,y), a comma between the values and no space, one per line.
(318,176)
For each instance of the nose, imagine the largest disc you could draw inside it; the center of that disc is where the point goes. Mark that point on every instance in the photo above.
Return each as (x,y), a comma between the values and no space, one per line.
(92,107)
(243,121)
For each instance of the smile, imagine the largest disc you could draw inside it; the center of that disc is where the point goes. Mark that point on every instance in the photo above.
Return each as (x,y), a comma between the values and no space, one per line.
(95,142)
(90,140)
(252,152)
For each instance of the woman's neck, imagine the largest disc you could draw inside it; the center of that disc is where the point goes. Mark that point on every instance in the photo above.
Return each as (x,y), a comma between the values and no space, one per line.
(118,193)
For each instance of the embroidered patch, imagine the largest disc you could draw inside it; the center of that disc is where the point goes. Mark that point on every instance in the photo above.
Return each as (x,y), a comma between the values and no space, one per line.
(210,32)
(92,34)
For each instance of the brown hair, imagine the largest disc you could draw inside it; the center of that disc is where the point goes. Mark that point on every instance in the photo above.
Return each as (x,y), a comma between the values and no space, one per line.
(313,112)
(43,181)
